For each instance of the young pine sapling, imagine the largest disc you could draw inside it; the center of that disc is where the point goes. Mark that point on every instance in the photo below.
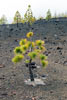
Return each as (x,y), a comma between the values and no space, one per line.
(30,50)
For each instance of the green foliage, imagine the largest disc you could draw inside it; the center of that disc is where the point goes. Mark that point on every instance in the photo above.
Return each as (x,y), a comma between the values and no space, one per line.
(17,18)
(23,42)
(27,61)
(29,43)
(39,42)
(44,63)
(18,50)
(3,20)
(28,16)
(32,55)
(31,50)
(24,48)
(17,58)
(48,16)
(43,57)
(40,18)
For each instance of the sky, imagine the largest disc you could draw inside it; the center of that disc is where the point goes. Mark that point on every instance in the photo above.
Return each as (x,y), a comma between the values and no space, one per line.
(39,7)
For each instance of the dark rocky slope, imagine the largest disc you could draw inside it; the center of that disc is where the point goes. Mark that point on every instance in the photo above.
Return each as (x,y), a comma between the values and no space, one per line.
(12,87)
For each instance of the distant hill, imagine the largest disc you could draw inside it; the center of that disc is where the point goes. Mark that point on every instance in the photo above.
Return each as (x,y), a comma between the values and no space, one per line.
(40,27)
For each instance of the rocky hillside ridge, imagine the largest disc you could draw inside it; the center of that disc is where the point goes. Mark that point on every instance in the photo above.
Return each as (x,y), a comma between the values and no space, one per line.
(12,76)
(56,26)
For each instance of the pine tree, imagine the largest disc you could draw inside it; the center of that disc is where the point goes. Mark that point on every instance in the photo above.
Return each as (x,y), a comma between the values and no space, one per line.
(48,16)
(3,20)
(17,18)
(30,51)
(28,16)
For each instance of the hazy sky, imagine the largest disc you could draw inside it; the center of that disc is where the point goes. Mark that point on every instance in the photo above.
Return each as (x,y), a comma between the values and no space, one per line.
(39,7)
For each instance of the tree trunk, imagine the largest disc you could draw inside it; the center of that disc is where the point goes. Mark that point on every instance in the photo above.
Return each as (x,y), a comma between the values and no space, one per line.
(17,21)
(17,24)
(31,74)
(30,71)
(29,25)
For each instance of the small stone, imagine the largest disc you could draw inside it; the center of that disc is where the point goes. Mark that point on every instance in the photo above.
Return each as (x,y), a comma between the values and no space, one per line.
(45,38)
(12,93)
(1,65)
(11,29)
(35,82)
(19,28)
(65,63)
(51,91)
(33,98)
(4,94)
(16,40)
(55,35)
(32,28)
(2,78)
(59,48)
(9,35)
(10,50)
(65,83)
(44,76)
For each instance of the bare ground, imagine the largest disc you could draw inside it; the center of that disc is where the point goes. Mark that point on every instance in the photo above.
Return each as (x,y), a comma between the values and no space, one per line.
(12,86)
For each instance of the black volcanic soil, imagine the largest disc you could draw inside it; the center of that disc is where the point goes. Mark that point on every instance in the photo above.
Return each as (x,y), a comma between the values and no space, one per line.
(12,86)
